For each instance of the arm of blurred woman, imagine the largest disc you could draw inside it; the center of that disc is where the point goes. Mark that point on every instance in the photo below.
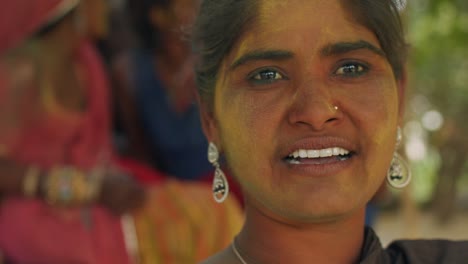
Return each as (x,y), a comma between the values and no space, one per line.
(12,179)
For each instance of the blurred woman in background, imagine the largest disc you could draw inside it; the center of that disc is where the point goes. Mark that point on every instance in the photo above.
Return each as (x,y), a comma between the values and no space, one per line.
(55,142)
(63,189)
(157,78)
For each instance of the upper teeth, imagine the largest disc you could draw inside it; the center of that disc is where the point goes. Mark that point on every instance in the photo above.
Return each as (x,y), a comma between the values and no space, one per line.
(318,153)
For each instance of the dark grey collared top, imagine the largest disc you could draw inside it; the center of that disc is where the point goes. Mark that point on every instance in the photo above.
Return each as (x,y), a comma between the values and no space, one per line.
(413,251)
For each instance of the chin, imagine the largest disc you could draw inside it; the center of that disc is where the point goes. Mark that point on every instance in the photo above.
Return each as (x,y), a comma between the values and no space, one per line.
(322,210)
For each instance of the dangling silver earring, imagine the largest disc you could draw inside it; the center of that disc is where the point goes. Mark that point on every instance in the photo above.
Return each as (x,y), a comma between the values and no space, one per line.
(399,173)
(220,184)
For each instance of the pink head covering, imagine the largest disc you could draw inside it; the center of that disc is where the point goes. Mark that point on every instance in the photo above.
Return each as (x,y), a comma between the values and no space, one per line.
(21,18)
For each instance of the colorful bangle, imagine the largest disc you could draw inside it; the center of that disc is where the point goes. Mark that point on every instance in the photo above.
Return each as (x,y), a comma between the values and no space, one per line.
(31,182)
(65,186)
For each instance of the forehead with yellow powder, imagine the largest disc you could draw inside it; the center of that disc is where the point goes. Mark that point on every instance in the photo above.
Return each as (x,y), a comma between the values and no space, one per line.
(276,17)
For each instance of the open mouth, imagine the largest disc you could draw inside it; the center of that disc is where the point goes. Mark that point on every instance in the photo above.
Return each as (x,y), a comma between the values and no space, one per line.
(318,156)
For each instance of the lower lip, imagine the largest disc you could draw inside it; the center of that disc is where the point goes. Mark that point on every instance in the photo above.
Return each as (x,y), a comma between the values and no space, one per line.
(320,167)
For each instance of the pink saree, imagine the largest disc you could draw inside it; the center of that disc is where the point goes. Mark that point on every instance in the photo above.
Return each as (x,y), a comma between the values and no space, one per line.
(46,135)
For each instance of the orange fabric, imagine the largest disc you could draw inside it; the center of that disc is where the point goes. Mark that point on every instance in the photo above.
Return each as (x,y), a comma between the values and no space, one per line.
(181,223)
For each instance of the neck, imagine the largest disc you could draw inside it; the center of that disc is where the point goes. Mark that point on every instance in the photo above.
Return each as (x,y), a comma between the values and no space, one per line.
(58,63)
(58,47)
(59,71)
(266,240)
(167,63)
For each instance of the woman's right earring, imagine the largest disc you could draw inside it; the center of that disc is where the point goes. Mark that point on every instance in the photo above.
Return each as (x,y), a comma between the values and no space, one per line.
(399,173)
(220,186)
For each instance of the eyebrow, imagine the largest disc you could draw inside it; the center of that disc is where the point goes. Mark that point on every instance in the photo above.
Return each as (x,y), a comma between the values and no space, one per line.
(345,47)
(256,55)
(328,50)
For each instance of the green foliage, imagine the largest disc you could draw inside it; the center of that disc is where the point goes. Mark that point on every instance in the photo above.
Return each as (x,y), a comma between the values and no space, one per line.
(438,70)
(438,33)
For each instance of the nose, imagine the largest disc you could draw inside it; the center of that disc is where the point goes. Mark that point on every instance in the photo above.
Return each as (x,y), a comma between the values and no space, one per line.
(313,106)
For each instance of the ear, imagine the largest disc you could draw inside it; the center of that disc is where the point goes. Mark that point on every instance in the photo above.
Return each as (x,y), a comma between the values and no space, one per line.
(209,122)
(401,85)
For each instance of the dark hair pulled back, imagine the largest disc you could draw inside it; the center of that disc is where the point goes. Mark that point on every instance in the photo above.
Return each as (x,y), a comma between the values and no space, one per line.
(220,23)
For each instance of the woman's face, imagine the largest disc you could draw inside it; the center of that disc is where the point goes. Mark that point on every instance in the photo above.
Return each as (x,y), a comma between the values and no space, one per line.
(306,78)
(172,21)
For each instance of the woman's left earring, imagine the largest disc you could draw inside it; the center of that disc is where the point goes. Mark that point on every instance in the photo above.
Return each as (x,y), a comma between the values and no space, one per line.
(220,184)
(399,173)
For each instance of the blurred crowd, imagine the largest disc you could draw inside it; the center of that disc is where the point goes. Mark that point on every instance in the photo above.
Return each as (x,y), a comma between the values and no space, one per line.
(102,155)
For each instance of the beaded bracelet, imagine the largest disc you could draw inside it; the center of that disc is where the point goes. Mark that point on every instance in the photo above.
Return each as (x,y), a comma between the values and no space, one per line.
(66,186)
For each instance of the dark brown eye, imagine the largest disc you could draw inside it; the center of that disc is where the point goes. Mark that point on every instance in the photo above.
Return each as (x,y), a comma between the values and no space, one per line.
(266,75)
(351,70)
